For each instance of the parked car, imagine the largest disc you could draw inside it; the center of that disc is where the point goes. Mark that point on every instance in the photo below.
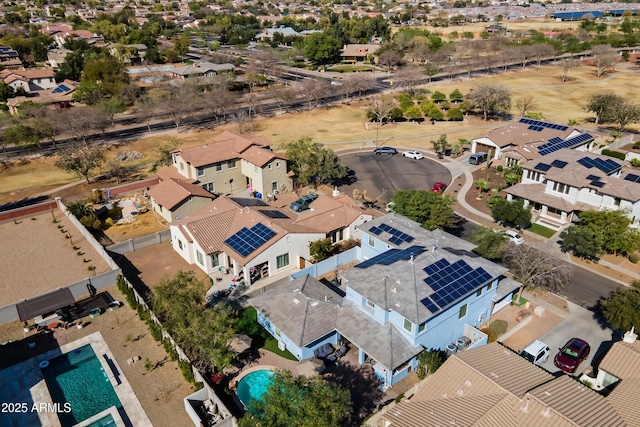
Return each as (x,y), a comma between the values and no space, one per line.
(438,187)
(514,237)
(385,150)
(571,355)
(537,352)
(303,203)
(416,155)
(478,158)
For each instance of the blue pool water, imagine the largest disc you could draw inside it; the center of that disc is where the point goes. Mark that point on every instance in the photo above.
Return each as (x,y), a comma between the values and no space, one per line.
(78,378)
(107,421)
(254,385)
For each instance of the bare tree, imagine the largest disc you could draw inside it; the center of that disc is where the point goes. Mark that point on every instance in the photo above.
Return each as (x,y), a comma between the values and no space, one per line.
(625,112)
(542,51)
(390,58)
(181,102)
(80,122)
(525,103)
(566,66)
(283,95)
(536,270)
(81,160)
(522,55)
(409,77)
(146,109)
(490,99)
(313,90)
(242,118)
(604,57)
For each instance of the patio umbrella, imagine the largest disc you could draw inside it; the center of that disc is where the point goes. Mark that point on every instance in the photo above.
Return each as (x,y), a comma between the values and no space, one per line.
(310,367)
(240,343)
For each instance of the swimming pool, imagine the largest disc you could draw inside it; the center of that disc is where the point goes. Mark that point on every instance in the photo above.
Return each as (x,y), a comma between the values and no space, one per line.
(78,378)
(107,421)
(254,385)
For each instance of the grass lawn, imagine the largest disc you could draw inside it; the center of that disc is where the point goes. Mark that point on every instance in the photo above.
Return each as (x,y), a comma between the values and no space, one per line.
(541,230)
(520,303)
(260,337)
(351,68)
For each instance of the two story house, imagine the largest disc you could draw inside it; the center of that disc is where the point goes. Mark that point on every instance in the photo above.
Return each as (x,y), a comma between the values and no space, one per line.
(567,182)
(527,139)
(233,162)
(414,290)
(254,240)
(173,199)
(29,80)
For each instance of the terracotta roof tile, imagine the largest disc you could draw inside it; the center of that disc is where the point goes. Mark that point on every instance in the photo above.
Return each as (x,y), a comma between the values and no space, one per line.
(260,156)
(226,146)
(170,193)
(328,214)
(623,360)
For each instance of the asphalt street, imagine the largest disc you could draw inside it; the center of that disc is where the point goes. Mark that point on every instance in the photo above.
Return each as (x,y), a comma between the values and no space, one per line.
(384,174)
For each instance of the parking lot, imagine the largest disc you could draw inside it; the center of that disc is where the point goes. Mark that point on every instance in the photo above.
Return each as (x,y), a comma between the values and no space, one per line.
(385,174)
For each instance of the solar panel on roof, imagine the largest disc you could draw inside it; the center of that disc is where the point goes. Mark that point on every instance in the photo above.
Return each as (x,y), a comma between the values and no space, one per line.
(555,140)
(248,201)
(274,214)
(246,240)
(431,306)
(586,162)
(392,255)
(598,184)
(593,177)
(384,227)
(375,230)
(632,177)
(542,167)
(559,164)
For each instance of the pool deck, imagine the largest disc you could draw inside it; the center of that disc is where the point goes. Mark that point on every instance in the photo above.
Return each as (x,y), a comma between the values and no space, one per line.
(23,384)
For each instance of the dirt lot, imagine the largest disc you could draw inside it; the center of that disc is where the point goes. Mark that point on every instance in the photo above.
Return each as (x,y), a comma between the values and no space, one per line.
(37,258)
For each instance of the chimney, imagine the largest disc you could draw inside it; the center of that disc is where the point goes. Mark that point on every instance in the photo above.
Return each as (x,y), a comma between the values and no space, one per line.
(630,336)
(335,192)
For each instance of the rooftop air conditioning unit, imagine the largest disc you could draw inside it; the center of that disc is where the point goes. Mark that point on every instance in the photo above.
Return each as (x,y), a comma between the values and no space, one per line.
(451,349)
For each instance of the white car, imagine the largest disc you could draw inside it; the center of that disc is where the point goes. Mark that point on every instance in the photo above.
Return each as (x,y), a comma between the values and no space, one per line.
(416,155)
(514,237)
(537,352)
(335,83)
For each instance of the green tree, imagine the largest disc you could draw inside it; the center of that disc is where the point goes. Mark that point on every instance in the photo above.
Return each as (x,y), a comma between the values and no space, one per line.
(490,99)
(611,231)
(112,106)
(602,104)
(312,163)
(108,73)
(438,96)
(80,160)
(581,241)
(620,308)
(429,362)
(320,47)
(22,136)
(455,114)
(406,100)
(431,210)
(512,212)
(321,249)
(456,95)
(299,401)
(6,92)
(413,113)
(490,244)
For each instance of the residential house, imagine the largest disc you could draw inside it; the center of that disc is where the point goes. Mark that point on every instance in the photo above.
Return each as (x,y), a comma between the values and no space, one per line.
(414,290)
(56,57)
(175,199)
(358,52)
(201,69)
(494,386)
(128,53)
(527,139)
(29,80)
(254,240)
(231,162)
(62,32)
(60,96)
(566,182)
(267,34)
(9,58)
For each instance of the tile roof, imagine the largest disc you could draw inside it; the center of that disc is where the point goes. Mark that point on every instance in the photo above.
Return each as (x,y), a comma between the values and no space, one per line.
(624,398)
(328,214)
(260,156)
(226,146)
(536,193)
(623,360)
(170,193)
(359,49)
(304,310)
(515,133)
(170,172)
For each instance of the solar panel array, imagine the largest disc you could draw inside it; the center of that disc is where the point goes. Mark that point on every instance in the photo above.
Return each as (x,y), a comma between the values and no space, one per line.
(598,184)
(274,214)
(451,282)
(555,140)
(593,177)
(248,240)
(393,255)
(550,147)
(606,166)
(61,88)
(559,164)
(631,177)
(542,167)
(542,125)
(397,236)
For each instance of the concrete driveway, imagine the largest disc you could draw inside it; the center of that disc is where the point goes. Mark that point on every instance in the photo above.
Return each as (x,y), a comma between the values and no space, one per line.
(386,173)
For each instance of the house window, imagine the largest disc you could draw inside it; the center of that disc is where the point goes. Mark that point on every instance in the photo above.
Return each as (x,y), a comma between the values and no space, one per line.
(255,168)
(407,325)
(534,176)
(175,159)
(200,171)
(282,260)
(489,286)
(616,201)
(277,164)
(180,244)
(200,258)
(370,304)
(561,188)
(422,327)
(269,166)
(337,235)
(479,292)
(218,167)
(274,186)
(181,166)
(231,164)
(215,261)
(278,332)
(208,186)
(463,311)
(371,242)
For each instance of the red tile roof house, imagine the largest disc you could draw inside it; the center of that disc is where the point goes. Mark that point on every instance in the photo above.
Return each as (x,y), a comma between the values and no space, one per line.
(232,162)
(29,80)
(358,52)
(252,239)
(174,199)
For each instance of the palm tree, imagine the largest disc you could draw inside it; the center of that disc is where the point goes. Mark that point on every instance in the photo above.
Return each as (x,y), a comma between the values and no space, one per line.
(482,185)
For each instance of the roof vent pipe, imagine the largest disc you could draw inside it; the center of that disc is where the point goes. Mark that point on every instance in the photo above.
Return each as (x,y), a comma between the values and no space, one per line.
(630,336)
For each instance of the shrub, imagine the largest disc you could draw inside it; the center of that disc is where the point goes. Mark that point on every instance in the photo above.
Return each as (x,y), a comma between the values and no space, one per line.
(171,351)
(187,372)
(611,153)
(399,398)
(492,335)
(143,314)
(636,145)
(499,168)
(635,163)
(499,326)
(429,362)
(634,257)
(155,329)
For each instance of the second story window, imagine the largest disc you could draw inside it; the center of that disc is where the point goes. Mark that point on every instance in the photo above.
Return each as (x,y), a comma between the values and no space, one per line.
(218,167)
(200,171)
(407,325)
(231,164)
(561,188)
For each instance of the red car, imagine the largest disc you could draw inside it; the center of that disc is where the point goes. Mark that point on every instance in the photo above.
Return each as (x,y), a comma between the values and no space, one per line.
(571,355)
(438,187)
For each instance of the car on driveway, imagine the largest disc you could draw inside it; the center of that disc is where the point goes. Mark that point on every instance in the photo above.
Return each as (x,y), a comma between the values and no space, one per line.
(303,203)
(385,150)
(416,155)
(514,237)
(571,355)
(537,352)
(438,187)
